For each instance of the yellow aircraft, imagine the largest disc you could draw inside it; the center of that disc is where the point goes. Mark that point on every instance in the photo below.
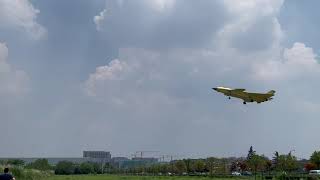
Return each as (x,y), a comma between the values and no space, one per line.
(246,96)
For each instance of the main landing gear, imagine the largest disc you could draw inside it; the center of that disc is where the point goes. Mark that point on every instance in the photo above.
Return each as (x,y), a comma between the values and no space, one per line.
(229,97)
(244,102)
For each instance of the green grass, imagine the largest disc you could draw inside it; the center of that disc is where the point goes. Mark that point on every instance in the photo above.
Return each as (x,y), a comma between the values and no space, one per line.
(108,177)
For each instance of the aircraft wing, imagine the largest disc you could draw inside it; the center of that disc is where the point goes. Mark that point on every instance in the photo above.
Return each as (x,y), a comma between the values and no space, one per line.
(239,90)
(259,97)
(233,92)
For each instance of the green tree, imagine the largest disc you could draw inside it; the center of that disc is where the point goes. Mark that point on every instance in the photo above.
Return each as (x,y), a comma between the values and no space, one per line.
(286,162)
(210,164)
(251,153)
(108,168)
(65,167)
(154,169)
(234,166)
(281,165)
(199,165)
(188,164)
(243,166)
(275,160)
(98,167)
(257,163)
(268,165)
(315,158)
(76,169)
(40,164)
(181,166)
(164,168)
(222,167)
(16,162)
(86,168)
(292,163)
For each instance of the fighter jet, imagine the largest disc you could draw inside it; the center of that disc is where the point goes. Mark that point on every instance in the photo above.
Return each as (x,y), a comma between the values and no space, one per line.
(246,96)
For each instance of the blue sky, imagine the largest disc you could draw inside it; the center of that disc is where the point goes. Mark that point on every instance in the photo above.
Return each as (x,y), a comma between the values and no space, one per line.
(124,75)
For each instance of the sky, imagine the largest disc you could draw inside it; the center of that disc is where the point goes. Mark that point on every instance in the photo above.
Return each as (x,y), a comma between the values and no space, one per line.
(132,75)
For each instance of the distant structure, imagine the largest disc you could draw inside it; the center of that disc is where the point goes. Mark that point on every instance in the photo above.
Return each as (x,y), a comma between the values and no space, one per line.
(119,161)
(97,156)
(134,162)
(145,159)
(101,157)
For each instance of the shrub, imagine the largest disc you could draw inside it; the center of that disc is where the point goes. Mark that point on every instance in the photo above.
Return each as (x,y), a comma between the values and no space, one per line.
(29,174)
(65,168)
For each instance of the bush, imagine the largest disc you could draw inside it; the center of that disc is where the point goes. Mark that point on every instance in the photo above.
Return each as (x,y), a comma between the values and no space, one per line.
(65,168)
(29,174)
(16,162)
(40,164)
(86,168)
(17,172)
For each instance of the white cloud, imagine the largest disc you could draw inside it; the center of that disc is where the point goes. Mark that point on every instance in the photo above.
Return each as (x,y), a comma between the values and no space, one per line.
(249,33)
(161,5)
(98,19)
(253,25)
(297,62)
(12,82)
(113,71)
(156,6)
(163,23)
(252,8)
(21,15)
(140,75)
(246,26)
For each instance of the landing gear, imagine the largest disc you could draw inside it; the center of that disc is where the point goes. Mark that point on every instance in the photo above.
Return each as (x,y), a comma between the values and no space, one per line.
(244,102)
(229,97)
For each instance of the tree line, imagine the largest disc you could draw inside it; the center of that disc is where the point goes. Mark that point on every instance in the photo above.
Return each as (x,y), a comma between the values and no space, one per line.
(254,163)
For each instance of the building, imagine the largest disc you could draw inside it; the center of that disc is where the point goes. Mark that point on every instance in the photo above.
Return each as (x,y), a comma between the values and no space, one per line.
(147,160)
(137,162)
(119,161)
(97,156)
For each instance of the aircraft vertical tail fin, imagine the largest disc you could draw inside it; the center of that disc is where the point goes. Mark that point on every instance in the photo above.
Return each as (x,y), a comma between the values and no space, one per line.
(271,92)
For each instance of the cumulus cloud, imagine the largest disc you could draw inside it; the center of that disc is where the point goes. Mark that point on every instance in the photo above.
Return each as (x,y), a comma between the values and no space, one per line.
(161,23)
(297,62)
(254,25)
(252,8)
(145,72)
(98,20)
(114,71)
(176,23)
(21,15)
(161,5)
(13,82)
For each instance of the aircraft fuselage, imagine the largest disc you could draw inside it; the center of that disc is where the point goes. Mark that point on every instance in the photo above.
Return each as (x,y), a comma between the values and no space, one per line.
(245,96)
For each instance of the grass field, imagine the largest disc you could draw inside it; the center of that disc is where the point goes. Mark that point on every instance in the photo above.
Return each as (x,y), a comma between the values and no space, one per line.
(106,177)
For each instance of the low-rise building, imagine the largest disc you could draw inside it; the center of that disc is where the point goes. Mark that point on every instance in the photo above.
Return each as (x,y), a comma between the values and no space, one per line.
(97,156)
